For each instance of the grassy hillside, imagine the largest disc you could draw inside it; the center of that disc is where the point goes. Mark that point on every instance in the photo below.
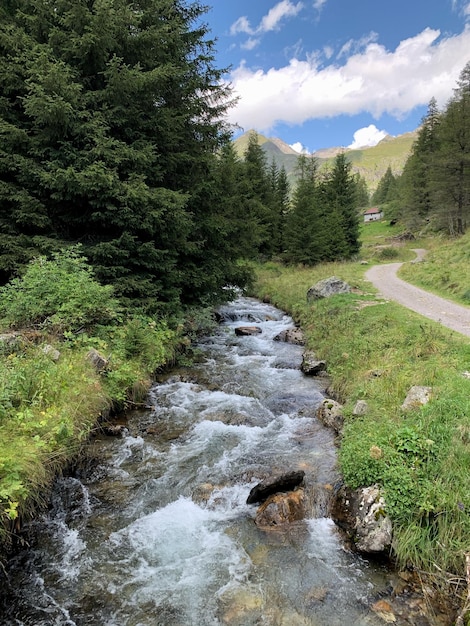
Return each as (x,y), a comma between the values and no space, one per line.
(371,163)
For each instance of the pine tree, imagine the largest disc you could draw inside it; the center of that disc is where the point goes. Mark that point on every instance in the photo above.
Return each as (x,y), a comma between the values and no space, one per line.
(452,162)
(341,194)
(386,189)
(416,182)
(258,192)
(305,240)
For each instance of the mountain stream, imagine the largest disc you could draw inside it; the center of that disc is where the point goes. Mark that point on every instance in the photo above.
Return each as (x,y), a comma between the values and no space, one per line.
(157,532)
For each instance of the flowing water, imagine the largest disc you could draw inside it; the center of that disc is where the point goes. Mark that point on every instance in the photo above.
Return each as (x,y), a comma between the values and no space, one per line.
(157,530)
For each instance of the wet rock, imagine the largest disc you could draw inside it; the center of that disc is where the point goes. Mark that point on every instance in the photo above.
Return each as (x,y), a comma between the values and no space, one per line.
(326,288)
(281,509)
(291,335)
(417,396)
(311,365)
(275,484)
(384,610)
(115,430)
(99,362)
(243,331)
(361,514)
(330,413)
(317,594)
(241,606)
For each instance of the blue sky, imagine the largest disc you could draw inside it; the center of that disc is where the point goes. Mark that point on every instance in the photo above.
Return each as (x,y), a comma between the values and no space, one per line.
(322,73)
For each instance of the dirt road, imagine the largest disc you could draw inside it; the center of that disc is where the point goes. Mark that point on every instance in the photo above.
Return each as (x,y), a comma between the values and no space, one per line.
(449,314)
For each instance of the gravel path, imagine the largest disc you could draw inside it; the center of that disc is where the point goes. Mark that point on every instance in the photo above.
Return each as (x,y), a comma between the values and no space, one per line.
(449,314)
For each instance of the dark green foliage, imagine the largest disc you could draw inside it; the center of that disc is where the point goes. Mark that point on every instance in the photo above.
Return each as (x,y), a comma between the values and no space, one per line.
(435,185)
(111,116)
(323,224)
(386,189)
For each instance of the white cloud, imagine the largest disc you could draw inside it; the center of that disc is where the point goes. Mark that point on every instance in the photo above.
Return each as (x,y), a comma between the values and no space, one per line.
(375,80)
(318,4)
(367,136)
(466,10)
(250,43)
(277,14)
(299,147)
(328,52)
(271,21)
(353,46)
(242,25)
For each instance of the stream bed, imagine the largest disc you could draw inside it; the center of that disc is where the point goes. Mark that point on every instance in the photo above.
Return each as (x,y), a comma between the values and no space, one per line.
(156,531)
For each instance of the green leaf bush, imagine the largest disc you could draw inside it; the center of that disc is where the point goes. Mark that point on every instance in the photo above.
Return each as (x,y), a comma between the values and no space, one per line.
(58,294)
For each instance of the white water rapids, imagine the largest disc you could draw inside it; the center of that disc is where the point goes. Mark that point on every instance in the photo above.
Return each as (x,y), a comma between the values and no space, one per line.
(157,532)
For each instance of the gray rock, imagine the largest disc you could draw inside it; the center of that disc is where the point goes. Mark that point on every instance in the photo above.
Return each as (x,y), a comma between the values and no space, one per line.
(417,396)
(361,408)
(361,513)
(99,362)
(311,365)
(291,335)
(51,352)
(330,413)
(373,526)
(326,288)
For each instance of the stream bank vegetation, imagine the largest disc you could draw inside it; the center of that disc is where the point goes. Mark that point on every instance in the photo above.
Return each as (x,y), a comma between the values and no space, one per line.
(52,397)
(376,351)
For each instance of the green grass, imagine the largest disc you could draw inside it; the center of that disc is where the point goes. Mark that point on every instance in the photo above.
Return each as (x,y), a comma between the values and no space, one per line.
(444,271)
(376,352)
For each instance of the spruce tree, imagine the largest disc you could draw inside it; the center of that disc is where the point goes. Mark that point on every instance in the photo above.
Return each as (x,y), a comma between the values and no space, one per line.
(452,161)
(305,240)
(112,114)
(416,183)
(341,194)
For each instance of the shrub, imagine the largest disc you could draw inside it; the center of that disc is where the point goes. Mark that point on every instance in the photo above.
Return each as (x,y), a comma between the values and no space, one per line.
(58,294)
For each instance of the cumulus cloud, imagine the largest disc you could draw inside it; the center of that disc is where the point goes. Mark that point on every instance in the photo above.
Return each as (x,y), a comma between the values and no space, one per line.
(375,80)
(271,21)
(367,136)
(299,147)
(318,4)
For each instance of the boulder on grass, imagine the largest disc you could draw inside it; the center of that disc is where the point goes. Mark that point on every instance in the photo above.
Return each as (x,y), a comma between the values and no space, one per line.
(326,288)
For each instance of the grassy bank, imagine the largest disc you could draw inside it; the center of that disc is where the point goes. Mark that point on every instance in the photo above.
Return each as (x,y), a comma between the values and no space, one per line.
(52,393)
(376,351)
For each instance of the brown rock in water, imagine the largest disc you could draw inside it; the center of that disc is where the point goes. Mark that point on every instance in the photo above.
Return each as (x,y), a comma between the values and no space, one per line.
(275,484)
(281,509)
(242,331)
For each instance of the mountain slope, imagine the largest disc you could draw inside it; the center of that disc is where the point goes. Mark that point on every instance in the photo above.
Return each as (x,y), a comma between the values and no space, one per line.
(370,162)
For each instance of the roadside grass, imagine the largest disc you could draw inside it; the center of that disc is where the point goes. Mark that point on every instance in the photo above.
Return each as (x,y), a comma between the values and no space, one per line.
(376,351)
(444,271)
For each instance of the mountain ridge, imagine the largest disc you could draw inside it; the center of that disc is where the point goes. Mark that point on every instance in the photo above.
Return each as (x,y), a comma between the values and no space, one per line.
(371,162)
